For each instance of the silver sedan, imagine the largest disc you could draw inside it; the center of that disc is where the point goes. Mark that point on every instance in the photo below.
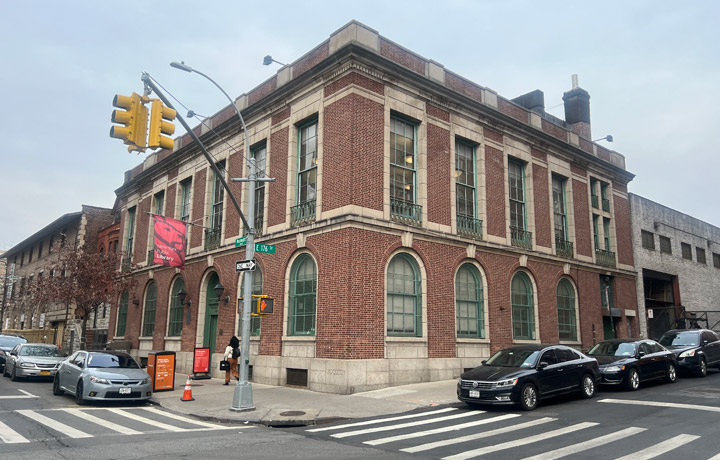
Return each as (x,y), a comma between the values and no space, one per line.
(33,360)
(102,375)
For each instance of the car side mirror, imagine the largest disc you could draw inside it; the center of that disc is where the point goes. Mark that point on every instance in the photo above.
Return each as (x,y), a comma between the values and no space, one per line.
(705,342)
(483,362)
(14,353)
(542,365)
(641,354)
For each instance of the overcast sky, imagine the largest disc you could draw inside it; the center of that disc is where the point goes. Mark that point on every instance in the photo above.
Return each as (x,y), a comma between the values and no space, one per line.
(652,69)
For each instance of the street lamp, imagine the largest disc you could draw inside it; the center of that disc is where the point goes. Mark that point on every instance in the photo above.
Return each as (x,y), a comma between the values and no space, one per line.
(608,138)
(242,398)
(267,60)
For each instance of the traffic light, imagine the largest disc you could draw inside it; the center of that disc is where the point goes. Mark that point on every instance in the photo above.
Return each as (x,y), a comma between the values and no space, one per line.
(134,118)
(263,306)
(158,126)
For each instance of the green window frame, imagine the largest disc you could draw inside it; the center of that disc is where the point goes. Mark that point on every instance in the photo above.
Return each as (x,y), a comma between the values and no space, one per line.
(257,289)
(403,160)
(259,153)
(516,185)
(148,327)
(185,196)
(303,296)
(218,200)
(404,310)
(307,162)
(469,303)
(606,233)
(122,314)
(523,307)
(130,231)
(566,311)
(175,315)
(596,230)
(559,207)
(465,191)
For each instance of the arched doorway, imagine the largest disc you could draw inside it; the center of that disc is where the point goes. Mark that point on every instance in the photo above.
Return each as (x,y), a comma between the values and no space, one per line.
(211,313)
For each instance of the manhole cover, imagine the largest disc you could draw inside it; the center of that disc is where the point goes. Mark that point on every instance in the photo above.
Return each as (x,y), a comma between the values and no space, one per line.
(292,413)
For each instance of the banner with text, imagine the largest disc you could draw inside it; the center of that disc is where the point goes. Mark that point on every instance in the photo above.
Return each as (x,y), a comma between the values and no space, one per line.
(170,236)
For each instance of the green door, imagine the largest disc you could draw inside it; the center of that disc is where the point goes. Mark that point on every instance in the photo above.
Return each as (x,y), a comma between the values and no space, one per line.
(211,314)
(609,331)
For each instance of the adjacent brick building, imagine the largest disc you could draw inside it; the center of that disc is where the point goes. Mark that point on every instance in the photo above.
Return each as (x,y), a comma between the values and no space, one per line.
(421,222)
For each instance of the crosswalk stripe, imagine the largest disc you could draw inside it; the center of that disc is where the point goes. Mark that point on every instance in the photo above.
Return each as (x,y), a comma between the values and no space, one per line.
(99,421)
(659,449)
(660,404)
(473,437)
(381,420)
(519,442)
(10,436)
(420,434)
(581,446)
(189,420)
(148,421)
(55,425)
(405,425)
(715,457)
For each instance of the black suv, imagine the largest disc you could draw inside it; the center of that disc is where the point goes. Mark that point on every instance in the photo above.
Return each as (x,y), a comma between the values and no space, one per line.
(7,343)
(696,349)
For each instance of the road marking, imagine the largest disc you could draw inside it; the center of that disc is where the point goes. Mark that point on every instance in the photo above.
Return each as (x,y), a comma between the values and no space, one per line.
(520,442)
(381,420)
(445,429)
(55,425)
(145,420)
(405,425)
(189,420)
(660,404)
(27,396)
(581,446)
(473,437)
(659,449)
(102,422)
(10,436)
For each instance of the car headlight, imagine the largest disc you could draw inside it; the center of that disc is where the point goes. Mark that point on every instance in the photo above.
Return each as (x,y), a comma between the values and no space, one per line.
(94,379)
(26,365)
(506,383)
(145,380)
(614,369)
(686,354)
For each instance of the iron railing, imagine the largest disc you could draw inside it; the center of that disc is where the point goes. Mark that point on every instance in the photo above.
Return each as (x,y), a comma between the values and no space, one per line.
(302,214)
(605,258)
(212,238)
(564,248)
(520,238)
(469,226)
(407,213)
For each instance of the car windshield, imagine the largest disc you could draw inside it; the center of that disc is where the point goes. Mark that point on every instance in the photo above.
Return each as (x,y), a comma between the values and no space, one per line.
(513,357)
(613,349)
(104,360)
(50,352)
(672,339)
(10,342)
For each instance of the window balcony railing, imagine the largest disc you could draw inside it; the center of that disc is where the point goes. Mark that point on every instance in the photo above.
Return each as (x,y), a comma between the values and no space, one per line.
(606,205)
(212,238)
(407,213)
(469,226)
(595,201)
(302,214)
(564,248)
(520,238)
(605,258)
(258,225)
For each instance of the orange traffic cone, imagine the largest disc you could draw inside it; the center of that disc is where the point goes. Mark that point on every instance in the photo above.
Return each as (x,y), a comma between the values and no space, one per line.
(187,394)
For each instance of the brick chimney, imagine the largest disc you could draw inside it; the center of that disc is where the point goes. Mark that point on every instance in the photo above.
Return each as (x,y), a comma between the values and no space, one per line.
(577,109)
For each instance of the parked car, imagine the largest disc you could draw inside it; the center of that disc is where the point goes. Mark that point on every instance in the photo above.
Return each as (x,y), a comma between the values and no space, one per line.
(524,374)
(696,349)
(33,360)
(7,343)
(102,375)
(631,361)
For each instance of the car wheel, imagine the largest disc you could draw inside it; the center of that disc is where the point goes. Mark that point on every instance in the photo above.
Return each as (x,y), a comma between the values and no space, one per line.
(57,391)
(633,380)
(79,394)
(5,374)
(702,371)
(671,374)
(528,397)
(13,373)
(587,386)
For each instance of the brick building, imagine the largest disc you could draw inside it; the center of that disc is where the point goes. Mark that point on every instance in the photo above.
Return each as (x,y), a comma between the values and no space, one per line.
(678,261)
(421,222)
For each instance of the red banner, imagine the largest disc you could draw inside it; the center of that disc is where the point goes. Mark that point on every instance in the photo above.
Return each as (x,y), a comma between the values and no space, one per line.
(170,236)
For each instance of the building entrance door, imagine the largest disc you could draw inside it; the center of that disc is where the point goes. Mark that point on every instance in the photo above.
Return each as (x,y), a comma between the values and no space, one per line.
(211,314)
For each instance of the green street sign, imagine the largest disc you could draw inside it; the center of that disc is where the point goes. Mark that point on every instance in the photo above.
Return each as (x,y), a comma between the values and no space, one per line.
(266,248)
(241,241)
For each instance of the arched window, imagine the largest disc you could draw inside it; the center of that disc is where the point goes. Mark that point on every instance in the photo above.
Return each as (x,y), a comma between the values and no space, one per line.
(175,322)
(404,316)
(469,302)
(148,328)
(257,289)
(567,325)
(303,288)
(523,307)
(122,314)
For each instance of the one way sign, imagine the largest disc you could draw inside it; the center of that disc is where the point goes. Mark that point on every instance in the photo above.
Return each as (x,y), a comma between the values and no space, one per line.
(245,265)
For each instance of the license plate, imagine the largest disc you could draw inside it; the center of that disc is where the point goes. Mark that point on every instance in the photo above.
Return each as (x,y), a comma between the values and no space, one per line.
(474,393)
(125,391)
(44,372)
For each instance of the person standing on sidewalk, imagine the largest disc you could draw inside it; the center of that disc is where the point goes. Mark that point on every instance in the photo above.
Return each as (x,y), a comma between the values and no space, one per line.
(232,353)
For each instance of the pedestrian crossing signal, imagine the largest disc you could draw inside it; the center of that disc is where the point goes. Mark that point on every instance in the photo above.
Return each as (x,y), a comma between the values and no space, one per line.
(263,306)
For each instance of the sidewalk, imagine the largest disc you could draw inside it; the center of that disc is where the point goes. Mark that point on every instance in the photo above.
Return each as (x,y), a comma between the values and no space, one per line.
(279,405)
